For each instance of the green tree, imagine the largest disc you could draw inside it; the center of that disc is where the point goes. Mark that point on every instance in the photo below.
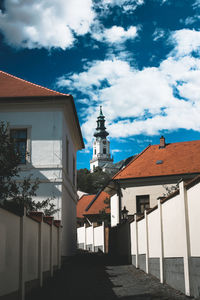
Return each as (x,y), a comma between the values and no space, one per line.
(92,182)
(14,194)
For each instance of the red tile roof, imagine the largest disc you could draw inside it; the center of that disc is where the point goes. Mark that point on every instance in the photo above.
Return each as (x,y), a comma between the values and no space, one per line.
(98,204)
(175,158)
(11,86)
(82,204)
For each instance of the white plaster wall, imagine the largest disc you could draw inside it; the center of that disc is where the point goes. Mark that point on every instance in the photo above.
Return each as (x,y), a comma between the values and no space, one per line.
(9,252)
(49,125)
(81,235)
(69,239)
(130,193)
(142,237)
(154,234)
(55,245)
(31,249)
(194,219)
(133,238)
(46,133)
(98,236)
(173,227)
(114,208)
(89,235)
(45,125)
(46,247)
(69,192)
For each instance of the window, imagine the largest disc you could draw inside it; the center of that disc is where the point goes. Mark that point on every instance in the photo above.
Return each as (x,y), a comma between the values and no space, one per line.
(67,155)
(20,139)
(95,151)
(104,150)
(142,203)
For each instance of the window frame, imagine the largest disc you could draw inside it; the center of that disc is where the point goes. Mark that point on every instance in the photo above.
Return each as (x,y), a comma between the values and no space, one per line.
(138,203)
(28,141)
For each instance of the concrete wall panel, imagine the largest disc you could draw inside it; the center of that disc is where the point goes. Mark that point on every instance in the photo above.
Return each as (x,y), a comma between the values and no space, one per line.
(46,247)
(194,220)
(31,249)
(154,234)
(173,227)
(142,262)
(154,266)
(142,236)
(9,252)
(174,273)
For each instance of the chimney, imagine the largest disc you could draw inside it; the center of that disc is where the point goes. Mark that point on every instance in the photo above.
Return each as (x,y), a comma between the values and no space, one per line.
(162,142)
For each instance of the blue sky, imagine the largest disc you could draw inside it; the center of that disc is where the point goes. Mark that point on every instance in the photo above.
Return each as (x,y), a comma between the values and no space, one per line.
(139,59)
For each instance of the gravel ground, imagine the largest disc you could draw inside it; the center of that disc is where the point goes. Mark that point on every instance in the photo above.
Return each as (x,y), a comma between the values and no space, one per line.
(92,277)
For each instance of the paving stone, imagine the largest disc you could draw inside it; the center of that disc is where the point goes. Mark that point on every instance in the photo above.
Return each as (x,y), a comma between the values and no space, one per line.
(92,277)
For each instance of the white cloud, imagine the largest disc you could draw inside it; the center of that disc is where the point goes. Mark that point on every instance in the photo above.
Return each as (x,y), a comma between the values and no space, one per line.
(116,151)
(40,23)
(158,34)
(144,101)
(185,41)
(196,4)
(116,34)
(126,5)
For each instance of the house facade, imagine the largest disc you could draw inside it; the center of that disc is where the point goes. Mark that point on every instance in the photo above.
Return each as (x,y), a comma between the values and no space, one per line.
(150,174)
(45,126)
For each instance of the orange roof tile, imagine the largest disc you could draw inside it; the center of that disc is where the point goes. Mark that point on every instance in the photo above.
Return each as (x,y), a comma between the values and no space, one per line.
(82,204)
(11,86)
(175,158)
(98,204)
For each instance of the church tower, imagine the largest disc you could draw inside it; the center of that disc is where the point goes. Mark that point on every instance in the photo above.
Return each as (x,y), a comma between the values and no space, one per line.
(101,146)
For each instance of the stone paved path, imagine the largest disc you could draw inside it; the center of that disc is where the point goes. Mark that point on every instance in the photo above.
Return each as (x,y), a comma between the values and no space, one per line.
(92,277)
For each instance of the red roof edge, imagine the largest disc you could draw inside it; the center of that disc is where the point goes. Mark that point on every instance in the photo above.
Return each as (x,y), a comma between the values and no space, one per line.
(34,84)
(131,161)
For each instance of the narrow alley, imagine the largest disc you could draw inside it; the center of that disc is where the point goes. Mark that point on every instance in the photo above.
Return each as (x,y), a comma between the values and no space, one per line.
(95,277)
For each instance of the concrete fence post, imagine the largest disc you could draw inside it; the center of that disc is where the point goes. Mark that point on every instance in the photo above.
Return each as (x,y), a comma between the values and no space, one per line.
(147,241)
(22,256)
(85,232)
(187,251)
(103,230)
(59,245)
(136,241)
(40,256)
(93,237)
(51,250)
(160,225)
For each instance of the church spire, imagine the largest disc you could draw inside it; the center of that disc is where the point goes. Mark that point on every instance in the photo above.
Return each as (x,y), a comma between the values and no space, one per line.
(101,129)
(101,146)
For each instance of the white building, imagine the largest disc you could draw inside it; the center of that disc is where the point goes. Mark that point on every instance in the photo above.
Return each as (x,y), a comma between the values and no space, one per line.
(46,128)
(101,146)
(138,185)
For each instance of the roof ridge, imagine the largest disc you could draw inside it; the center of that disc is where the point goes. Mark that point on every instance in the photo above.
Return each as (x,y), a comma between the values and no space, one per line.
(34,84)
(131,161)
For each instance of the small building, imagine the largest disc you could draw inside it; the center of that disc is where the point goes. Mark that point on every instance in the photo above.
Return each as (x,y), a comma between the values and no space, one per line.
(150,174)
(93,209)
(45,126)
